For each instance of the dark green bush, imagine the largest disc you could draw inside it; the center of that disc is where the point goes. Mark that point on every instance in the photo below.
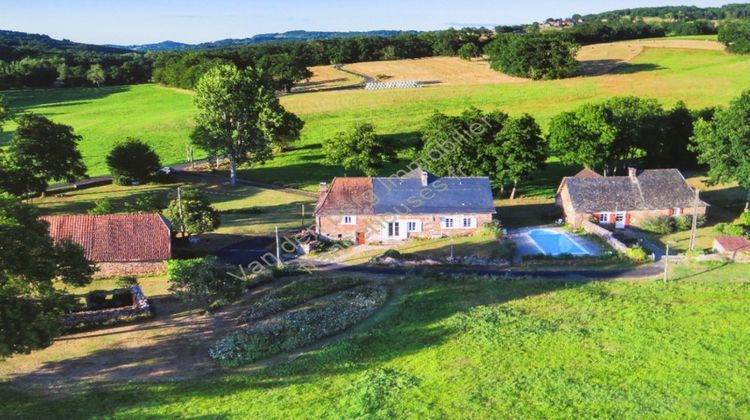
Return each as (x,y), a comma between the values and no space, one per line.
(659,224)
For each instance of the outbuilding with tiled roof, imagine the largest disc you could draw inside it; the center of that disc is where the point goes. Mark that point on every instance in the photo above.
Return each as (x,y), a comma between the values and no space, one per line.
(118,243)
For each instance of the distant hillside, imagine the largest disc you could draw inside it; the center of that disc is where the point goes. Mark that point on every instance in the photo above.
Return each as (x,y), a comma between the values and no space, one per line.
(728,11)
(257,39)
(159,46)
(16,45)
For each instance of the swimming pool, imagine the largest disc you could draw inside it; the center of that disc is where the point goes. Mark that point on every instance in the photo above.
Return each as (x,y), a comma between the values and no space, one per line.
(551,242)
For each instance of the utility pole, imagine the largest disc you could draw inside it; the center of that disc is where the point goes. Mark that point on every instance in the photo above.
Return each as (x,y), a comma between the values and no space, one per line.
(179,210)
(278,249)
(694,228)
(666,263)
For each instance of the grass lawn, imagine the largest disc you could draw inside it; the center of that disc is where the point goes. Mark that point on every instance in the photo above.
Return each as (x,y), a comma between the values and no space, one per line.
(700,78)
(245,210)
(473,348)
(152,286)
(163,117)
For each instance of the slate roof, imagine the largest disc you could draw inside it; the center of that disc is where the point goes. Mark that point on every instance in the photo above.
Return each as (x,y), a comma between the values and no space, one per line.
(584,173)
(406,195)
(651,189)
(115,237)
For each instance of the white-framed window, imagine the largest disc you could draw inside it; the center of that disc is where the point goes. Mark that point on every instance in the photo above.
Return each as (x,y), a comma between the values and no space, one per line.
(603,217)
(411,226)
(349,220)
(677,211)
(447,222)
(469,222)
(394,229)
(620,217)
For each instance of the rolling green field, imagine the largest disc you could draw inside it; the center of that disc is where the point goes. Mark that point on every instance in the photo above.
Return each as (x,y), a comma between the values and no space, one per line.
(470,347)
(162,116)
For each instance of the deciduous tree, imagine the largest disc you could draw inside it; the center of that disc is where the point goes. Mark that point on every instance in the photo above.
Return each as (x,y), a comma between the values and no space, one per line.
(522,150)
(191,213)
(359,148)
(724,142)
(39,152)
(240,107)
(31,306)
(96,75)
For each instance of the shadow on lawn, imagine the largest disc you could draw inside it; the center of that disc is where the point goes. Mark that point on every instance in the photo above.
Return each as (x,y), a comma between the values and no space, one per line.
(30,99)
(414,324)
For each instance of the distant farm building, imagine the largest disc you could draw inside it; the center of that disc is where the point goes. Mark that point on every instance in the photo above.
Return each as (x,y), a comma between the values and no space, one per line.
(623,201)
(119,244)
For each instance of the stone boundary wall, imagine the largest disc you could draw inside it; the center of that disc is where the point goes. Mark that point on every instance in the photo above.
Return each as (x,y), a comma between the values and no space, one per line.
(112,269)
(608,236)
(140,307)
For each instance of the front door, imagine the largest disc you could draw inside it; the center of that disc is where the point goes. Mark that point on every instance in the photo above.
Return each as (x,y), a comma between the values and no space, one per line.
(620,220)
(360,238)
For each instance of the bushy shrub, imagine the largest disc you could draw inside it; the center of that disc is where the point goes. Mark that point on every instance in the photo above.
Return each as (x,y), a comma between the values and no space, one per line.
(392,253)
(202,280)
(494,228)
(658,224)
(372,393)
(132,161)
(300,327)
(103,206)
(729,229)
(637,254)
(685,222)
(296,293)
(744,219)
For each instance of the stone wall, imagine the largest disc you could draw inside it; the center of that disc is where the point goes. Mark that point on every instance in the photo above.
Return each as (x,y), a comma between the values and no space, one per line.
(140,308)
(330,226)
(130,268)
(608,236)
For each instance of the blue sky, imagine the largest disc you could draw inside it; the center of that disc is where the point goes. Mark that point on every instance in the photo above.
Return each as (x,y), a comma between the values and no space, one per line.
(141,21)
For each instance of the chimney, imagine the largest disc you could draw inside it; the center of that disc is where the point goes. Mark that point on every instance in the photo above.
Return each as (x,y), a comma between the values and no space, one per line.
(323,188)
(633,174)
(424,177)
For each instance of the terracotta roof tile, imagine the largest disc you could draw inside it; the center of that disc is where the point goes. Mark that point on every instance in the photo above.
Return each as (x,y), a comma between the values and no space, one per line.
(115,237)
(347,196)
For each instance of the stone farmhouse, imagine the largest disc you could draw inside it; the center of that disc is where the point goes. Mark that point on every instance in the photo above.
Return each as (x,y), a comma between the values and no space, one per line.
(119,244)
(623,201)
(418,204)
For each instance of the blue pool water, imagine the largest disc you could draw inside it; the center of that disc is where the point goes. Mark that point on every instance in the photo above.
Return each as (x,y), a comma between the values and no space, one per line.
(555,243)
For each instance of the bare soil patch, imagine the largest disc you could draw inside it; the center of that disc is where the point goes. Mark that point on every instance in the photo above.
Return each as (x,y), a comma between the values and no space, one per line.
(172,345)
